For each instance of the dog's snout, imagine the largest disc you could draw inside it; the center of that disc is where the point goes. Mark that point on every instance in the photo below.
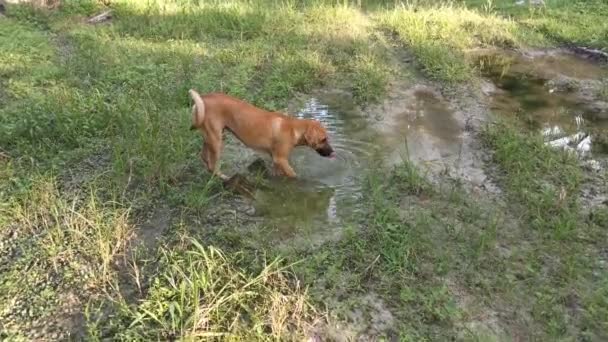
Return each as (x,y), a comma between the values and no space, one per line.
(325,151)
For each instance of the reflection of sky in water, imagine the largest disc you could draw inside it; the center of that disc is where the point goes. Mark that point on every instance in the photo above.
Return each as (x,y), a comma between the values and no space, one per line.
(426,126)
(432,116)
(314,109)
(579,142)
(332,211)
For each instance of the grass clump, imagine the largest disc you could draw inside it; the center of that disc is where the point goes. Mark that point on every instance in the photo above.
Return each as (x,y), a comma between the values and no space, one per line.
(561,22)
(52,245)
(202,294)
(440,36)
(545,182)
(160,20)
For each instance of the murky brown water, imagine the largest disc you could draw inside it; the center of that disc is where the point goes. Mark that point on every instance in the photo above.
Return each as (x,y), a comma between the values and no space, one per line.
(551,63)
(548,91)
(430,115)
(425,130)
(545,64)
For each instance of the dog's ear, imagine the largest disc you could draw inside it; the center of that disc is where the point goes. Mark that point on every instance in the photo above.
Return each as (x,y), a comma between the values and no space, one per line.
(313,133)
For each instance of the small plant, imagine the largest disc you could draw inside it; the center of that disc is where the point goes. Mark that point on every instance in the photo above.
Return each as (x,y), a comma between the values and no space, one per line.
(488,6)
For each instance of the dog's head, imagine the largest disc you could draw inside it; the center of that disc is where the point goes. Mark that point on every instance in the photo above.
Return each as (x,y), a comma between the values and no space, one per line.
(315,137)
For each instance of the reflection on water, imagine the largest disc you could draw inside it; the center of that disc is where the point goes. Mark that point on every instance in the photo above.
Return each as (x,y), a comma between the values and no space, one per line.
(432,116)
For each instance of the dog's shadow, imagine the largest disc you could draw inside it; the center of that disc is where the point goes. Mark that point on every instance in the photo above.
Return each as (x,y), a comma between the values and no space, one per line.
(249,184)
(295,196)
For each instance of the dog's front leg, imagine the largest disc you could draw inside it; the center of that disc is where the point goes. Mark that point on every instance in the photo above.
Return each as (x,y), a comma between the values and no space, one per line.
(280,155)
(282,167)
(210,156)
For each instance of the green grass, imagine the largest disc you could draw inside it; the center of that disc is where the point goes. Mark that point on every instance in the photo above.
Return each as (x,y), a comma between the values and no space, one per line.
(564,22)
(107,219)
(201,294)
(440,36)
(54,248)
(543,186)
(544,182)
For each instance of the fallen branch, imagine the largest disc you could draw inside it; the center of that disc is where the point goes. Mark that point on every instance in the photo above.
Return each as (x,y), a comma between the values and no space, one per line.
(104,16)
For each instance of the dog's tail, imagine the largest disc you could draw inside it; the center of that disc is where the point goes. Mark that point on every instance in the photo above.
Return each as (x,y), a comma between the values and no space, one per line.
(198,110)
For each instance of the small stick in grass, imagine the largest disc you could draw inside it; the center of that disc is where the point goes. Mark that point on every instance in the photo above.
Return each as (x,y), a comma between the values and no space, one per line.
(102,17)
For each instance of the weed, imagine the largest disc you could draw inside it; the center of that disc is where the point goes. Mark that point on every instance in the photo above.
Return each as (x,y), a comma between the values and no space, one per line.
(370,81)
(408,178)
(599,217)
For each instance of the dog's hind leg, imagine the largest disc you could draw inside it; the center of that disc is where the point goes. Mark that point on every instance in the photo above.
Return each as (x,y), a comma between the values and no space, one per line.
(205,156)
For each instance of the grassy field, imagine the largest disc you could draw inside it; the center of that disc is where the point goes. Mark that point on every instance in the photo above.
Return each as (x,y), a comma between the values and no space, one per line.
(94,145)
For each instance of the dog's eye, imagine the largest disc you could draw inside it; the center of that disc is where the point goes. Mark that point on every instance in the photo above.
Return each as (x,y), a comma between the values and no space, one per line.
(324,140)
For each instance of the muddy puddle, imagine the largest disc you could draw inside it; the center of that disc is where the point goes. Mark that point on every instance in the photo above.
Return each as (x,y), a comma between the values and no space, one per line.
(319,204)
(423,130)
(553,92)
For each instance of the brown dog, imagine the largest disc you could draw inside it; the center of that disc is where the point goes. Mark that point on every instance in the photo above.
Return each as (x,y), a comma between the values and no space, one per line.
(271,132)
